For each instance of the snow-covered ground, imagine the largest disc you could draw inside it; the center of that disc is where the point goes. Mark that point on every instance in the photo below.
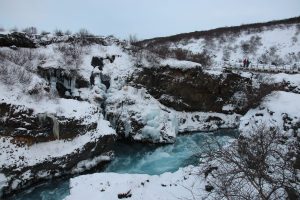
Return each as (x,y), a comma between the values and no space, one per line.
(279,109)
(278,45)
(12,153)
(183,184)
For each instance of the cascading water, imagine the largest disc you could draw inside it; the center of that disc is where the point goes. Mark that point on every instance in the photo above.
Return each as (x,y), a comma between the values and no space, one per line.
(140,158)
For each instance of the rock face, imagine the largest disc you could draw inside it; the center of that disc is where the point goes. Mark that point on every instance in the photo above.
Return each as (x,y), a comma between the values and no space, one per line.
(63,81)
(195,90)
(29,128)
(22,177)
(16,39)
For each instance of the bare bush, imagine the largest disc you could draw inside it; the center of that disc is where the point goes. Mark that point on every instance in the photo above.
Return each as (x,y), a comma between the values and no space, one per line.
(143,56)
(83,33)
(71,55)
(251,46)
(45,33)
(11,75)
(161,51)
(271,57)
(30,30)
(132,39)
(14,29)
(203,58)
(294,39)
(68,32)
(22,57)
(257,166)
(58,32)
(226,53)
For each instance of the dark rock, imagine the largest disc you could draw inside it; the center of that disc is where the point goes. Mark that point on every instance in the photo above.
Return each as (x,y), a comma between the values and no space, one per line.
(209,170)
(97,62)
(58,166)
(193,90)
(16,39)
(209,188)
(26,127)
(125,195)
(259,114)
(105,79)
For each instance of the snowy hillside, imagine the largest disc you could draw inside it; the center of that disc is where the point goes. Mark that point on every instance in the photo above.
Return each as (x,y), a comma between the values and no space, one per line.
(263,44)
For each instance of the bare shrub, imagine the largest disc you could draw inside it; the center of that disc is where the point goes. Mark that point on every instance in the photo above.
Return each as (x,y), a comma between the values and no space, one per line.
(143,56)
(271,57)
(45,33)
(58,32)
(294,39)
(292,58)
(83,33)
(226,53)
(30,30)
(203,58)
(71,55)
(161,51)
(68,32)
(22,57)
(11,75)
(14,29)
(209,43)
(132,39)
(258,166)
(251,46)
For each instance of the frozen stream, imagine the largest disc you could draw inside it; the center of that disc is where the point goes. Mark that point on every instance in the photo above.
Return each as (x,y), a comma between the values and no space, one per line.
(139,158)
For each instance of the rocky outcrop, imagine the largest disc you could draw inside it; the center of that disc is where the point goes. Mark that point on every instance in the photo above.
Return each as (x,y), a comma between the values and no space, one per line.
(196,90)
(29,128)
(16,39)
(64,81)
(23,177)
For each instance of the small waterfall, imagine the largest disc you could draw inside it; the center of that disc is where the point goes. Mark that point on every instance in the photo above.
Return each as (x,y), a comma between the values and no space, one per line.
(55,126)
(42,117)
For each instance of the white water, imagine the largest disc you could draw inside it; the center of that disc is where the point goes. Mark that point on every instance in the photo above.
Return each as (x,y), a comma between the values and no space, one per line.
(139,158)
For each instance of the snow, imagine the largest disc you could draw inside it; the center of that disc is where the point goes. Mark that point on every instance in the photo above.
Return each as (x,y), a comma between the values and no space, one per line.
(132,103)
(179,64)
(89,164)
(168,186)
(11,153)
(69,108)
(272,110)
(279,37)
(199,121)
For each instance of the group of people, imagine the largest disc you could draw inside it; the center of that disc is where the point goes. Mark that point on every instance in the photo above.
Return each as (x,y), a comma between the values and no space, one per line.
(246,62)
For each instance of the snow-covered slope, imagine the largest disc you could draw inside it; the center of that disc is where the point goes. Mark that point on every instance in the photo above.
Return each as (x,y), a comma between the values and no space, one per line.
(265,45)
(279,109)
(183,184)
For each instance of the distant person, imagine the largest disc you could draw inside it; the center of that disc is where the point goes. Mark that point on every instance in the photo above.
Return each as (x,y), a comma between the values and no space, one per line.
(245,63)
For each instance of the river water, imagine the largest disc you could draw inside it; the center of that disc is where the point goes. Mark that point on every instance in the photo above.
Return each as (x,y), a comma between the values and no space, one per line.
(140,158)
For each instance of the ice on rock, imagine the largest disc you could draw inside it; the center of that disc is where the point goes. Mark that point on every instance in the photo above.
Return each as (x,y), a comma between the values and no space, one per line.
(3,182)
(131,105)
